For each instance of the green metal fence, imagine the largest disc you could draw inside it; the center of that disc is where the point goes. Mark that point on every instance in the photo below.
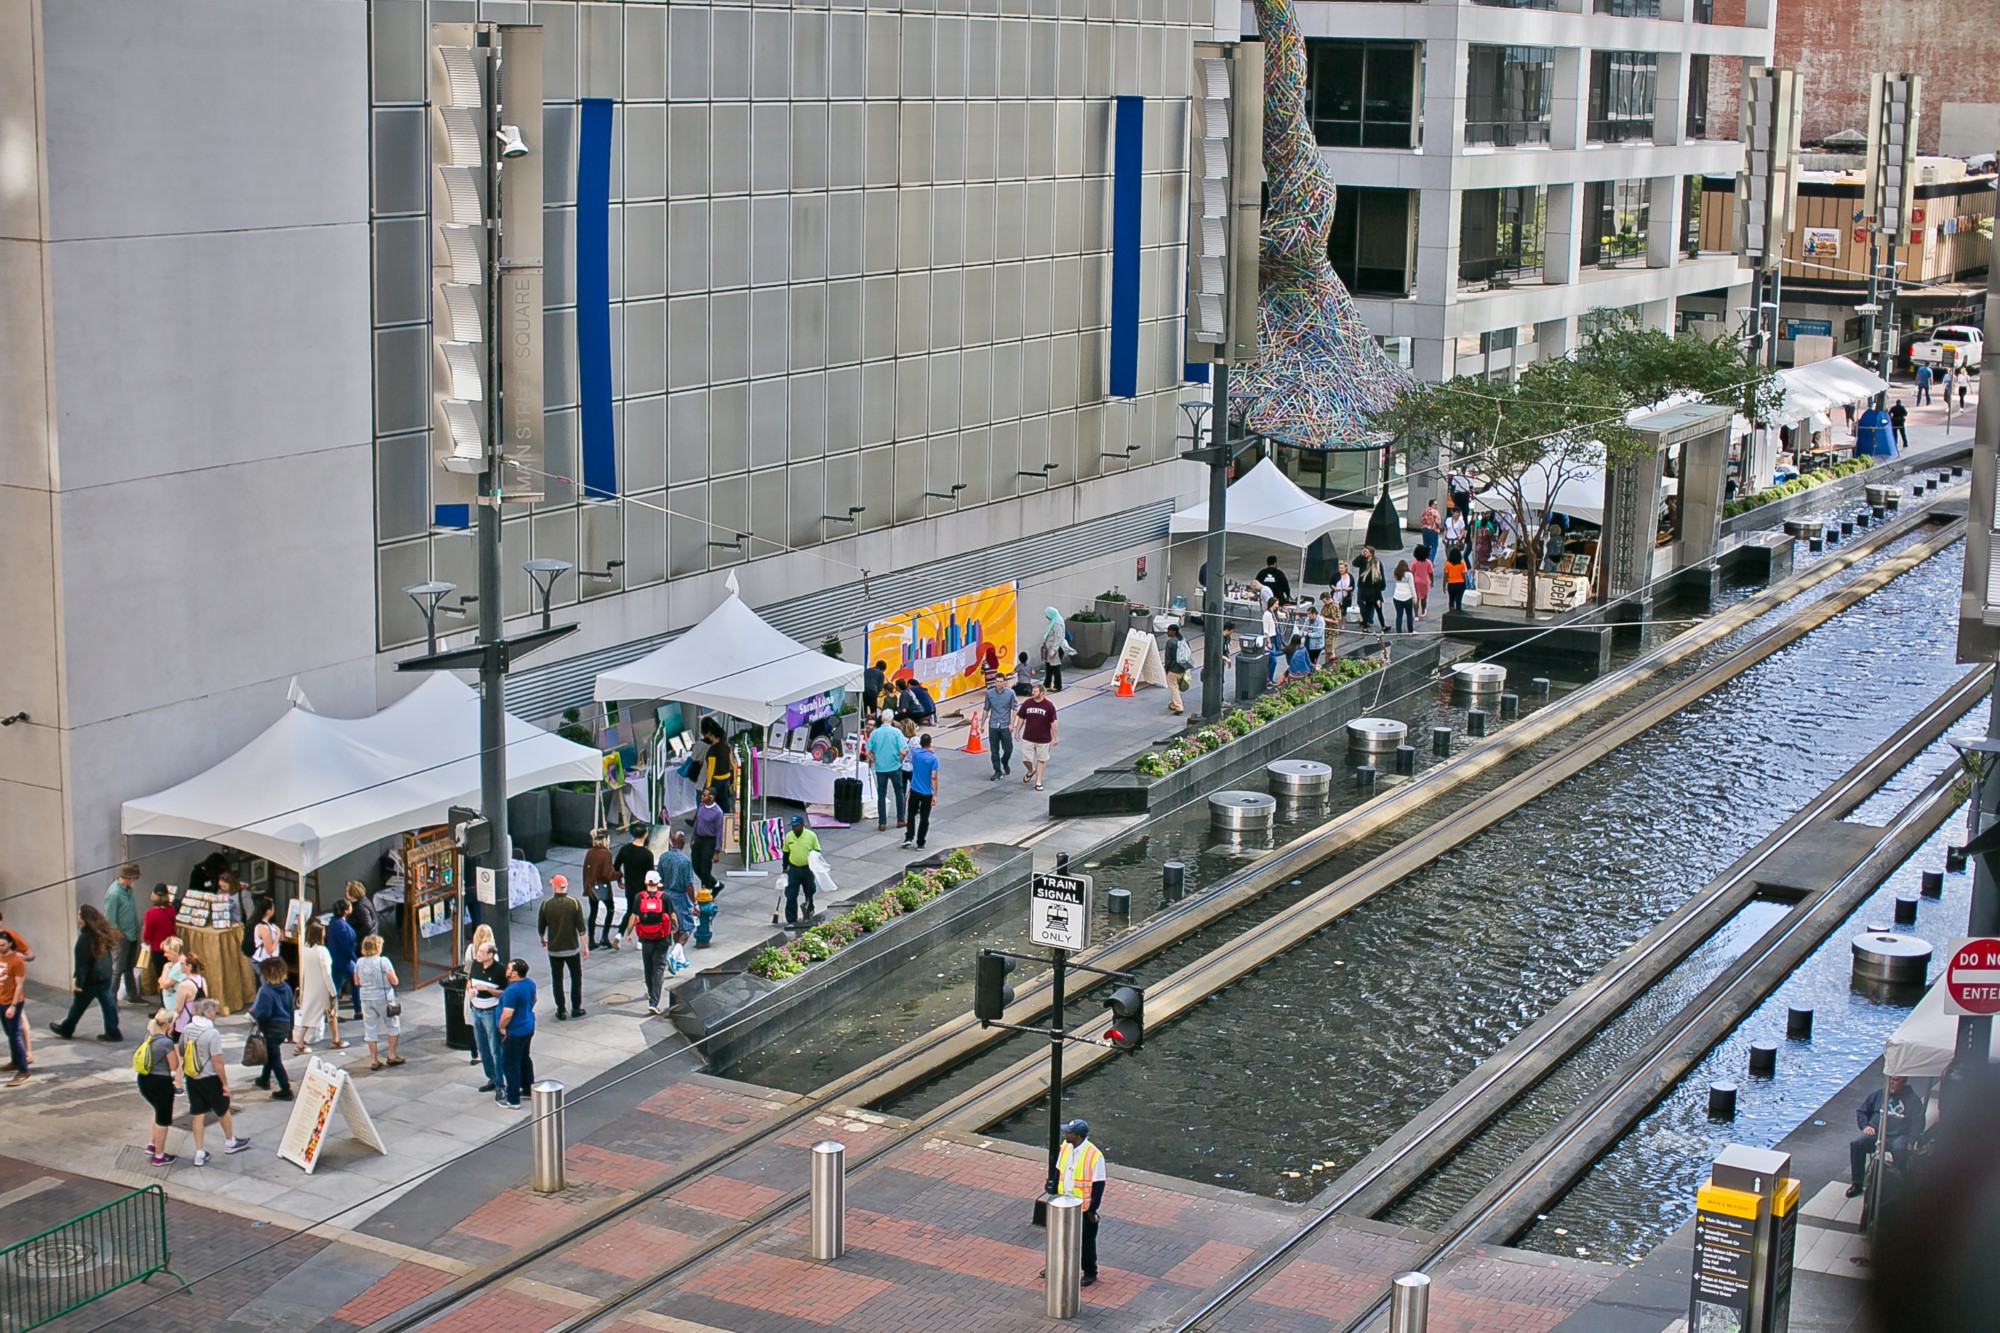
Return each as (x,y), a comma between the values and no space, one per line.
(72,1264)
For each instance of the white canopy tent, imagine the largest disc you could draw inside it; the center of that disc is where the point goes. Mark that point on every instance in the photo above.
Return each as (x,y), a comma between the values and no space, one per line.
(732,662)
(1926,1041)
(1823,387)
(1581,495)
(310,789)
(1267,504)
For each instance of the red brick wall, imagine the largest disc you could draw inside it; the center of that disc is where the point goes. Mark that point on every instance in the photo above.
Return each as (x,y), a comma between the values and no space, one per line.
(1836,44)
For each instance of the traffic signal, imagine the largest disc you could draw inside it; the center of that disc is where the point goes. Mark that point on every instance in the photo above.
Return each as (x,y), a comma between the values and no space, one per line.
(990,992)
(1128,1018)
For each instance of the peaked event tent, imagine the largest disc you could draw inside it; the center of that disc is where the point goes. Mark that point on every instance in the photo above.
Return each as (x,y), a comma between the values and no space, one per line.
(1266,503)
(732,662)
(1925,1042)
(1581,494)
(311,788)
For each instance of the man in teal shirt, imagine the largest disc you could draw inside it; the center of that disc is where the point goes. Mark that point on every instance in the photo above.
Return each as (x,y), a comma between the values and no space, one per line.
(885,747)
(123,914)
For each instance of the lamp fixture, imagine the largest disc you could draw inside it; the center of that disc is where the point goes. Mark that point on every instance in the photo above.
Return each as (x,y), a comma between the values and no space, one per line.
(545,572)
(847,517)
(21,716)
(736,545)
(951,495)
(511,142)
(604,575)
(427,596)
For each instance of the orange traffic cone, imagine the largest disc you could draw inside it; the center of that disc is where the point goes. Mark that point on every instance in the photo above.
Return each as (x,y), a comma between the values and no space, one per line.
(973,745)
(1125,690)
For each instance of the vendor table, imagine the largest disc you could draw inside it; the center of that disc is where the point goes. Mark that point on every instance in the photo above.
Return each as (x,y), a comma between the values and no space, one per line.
(231,982)
(789,777)
(524,883)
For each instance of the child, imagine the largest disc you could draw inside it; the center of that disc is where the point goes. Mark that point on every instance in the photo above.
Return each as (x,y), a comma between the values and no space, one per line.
(272,1011)
(156,929)
(1024,676)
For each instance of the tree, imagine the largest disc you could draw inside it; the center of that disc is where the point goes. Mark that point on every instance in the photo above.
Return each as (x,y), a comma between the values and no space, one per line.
(1565,417)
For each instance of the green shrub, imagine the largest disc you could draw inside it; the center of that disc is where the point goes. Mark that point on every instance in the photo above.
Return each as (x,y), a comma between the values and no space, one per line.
(1089,617)
(1113,596)
(1237,724)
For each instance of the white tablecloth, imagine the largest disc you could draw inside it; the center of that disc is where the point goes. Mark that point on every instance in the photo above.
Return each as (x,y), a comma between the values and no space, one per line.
(806,781)
(524,883)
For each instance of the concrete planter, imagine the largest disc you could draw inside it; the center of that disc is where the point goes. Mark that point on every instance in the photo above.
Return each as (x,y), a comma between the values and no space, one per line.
(1120,616)
(1093,642)
(1120,789)
(1846,488)
(757,1012)
(572,815)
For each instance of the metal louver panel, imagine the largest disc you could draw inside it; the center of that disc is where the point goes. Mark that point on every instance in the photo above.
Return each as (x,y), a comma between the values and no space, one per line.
(461,76)
(548,690)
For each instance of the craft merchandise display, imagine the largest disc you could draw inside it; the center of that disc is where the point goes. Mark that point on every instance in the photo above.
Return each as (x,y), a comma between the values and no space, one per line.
(200,907)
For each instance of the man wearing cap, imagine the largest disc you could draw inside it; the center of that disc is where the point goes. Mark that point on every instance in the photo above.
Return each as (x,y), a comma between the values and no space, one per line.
(1080,1175)
(560,925)
(123,913)
(800,843)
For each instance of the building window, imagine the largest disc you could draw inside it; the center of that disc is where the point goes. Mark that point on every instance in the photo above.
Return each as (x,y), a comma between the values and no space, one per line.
(1615,216)
(1370,241)
(1630,9)
(1621,95)
(1517,4)
(1363,94)
(1691,193)
(1497,354)
(1697,95)
(1702,11)
(1507,95)
(1500,236)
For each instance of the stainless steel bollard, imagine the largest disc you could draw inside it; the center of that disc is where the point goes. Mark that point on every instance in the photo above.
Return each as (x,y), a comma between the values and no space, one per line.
(1173,880)
(1065,1257)
(1409,1303)
(546,1097)
(829,1199)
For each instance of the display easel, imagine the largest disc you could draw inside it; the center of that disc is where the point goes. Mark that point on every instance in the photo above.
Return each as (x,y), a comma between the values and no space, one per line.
(433,907)
(326,1088)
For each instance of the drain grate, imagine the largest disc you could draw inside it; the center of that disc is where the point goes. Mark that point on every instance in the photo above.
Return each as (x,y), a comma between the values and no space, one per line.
(54,1258)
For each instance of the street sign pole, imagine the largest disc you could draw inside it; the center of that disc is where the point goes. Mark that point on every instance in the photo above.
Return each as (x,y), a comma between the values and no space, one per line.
(1060,959)
(1058,920)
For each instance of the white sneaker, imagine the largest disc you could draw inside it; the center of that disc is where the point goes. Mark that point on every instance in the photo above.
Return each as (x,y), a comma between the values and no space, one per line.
(652,1008)
(235,1145)
(201,1158)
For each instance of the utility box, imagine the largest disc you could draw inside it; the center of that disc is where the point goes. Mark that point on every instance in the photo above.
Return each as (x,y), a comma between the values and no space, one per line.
(1745,1233)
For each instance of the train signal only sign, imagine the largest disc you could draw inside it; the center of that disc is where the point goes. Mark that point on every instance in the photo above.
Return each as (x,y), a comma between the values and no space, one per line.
(1972,978)
(1059,911)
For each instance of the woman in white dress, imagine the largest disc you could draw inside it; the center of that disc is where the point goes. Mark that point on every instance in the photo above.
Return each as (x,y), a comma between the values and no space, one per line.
(315,1005)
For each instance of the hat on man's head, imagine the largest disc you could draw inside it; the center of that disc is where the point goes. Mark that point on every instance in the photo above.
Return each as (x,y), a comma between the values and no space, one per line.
(1078,1127)
(652,877)
(798,821)
(558,881)
(130,870)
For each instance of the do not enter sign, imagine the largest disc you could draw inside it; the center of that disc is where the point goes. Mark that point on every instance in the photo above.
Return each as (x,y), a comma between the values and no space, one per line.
(1972,978)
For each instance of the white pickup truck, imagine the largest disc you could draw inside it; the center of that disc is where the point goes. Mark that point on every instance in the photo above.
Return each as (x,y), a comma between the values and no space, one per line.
(1949,345)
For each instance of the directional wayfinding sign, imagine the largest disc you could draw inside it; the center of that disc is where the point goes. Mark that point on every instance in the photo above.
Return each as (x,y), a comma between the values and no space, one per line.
(1972,978)
(1059,911)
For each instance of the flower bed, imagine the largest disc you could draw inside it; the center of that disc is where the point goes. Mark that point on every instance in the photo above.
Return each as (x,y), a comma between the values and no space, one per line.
(826,939)
(1743,504)
(1293,694)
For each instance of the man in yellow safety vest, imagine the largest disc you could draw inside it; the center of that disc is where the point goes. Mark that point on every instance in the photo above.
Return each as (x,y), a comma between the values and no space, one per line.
(1080,1167)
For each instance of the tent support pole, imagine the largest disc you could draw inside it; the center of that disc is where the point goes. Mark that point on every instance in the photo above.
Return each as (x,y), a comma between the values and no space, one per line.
(1214,660)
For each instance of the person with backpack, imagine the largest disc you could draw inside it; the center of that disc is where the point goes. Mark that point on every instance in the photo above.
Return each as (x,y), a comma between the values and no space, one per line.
(93,975)
(653,926)
(207,1080)
(1174,658)
(157,1062)
(272,1011)
(182,983)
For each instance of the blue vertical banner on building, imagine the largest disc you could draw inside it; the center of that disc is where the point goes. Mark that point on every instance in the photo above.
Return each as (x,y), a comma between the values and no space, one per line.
(599,471)
(1128,154)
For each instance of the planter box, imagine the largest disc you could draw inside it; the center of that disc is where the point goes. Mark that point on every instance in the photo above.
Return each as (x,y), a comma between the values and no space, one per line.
(1120,616)
(572,815)
(1886,472)
(758,1012)
(1122,790)
(1093,642)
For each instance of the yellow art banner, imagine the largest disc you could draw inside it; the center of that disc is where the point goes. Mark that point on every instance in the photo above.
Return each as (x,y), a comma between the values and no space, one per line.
(944,644)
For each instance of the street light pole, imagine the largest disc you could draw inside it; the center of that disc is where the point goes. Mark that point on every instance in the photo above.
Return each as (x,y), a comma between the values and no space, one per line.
(1214,657)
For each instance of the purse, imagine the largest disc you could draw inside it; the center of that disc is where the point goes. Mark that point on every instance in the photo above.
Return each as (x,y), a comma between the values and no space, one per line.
(254,1053)
(393,1009)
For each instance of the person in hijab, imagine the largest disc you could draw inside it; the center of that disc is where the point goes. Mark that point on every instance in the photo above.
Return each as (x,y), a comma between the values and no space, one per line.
(1055,646)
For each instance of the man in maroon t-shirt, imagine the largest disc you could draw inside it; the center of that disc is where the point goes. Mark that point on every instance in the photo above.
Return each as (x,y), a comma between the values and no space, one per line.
(1035,720)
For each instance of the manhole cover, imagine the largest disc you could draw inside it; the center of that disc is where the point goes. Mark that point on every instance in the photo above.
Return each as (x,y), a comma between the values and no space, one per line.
(54,1258)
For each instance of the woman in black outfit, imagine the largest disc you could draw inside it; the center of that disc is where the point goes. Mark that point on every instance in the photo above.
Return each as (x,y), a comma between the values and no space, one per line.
(719,765)
(94,975)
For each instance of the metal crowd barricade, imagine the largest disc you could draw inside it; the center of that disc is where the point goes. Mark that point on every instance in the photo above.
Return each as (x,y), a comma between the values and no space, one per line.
(94,1254)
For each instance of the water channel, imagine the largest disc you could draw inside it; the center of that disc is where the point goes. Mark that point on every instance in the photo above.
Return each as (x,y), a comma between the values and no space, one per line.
(1281,1081)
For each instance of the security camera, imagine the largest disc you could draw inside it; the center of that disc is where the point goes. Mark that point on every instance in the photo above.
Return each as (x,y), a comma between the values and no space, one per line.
(511,143)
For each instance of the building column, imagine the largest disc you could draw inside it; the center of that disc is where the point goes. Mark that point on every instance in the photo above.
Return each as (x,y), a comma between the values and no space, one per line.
(1562,232)
(1447,62)
(1555,337)
(1670,98)
(1663,221)
(1569,98)
(1438,213)
(1657,314)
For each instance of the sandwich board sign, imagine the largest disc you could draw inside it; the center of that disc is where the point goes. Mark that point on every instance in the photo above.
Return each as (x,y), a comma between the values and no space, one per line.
(326,1088)
(1059,911)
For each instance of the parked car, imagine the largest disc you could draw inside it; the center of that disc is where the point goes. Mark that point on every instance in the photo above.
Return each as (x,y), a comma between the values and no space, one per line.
(1949,345)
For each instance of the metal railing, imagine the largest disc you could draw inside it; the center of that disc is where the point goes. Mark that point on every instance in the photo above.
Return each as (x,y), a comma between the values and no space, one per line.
(74,1263)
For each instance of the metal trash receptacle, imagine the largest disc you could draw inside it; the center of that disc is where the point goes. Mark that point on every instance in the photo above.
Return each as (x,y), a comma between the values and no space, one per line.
(1253,675)
(457,1029)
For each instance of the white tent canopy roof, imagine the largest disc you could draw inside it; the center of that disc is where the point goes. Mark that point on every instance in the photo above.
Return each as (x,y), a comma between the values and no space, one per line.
(1925,1042)
(1267,504)
(732,662)
(311,789)
(1825,387)
(1581,494)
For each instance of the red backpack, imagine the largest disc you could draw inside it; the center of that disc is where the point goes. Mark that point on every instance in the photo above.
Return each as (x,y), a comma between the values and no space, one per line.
(654,923)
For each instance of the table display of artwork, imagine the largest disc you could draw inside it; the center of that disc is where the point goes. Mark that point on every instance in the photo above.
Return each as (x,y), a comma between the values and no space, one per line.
(231,982)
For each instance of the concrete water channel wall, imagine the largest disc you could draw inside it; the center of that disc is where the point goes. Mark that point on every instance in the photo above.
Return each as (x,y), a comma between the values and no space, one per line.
(730,1015)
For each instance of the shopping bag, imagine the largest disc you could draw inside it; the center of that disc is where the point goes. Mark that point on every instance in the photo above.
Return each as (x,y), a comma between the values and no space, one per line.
(677,959)
(254,1053)
(822,876)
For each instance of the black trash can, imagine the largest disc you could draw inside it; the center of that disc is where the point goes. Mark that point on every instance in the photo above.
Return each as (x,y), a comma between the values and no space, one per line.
(847,800)
(1253,675)
(457,1030)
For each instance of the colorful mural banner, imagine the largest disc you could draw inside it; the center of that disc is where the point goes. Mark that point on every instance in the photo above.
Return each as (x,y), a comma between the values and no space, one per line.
(942,644)
(814,708)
